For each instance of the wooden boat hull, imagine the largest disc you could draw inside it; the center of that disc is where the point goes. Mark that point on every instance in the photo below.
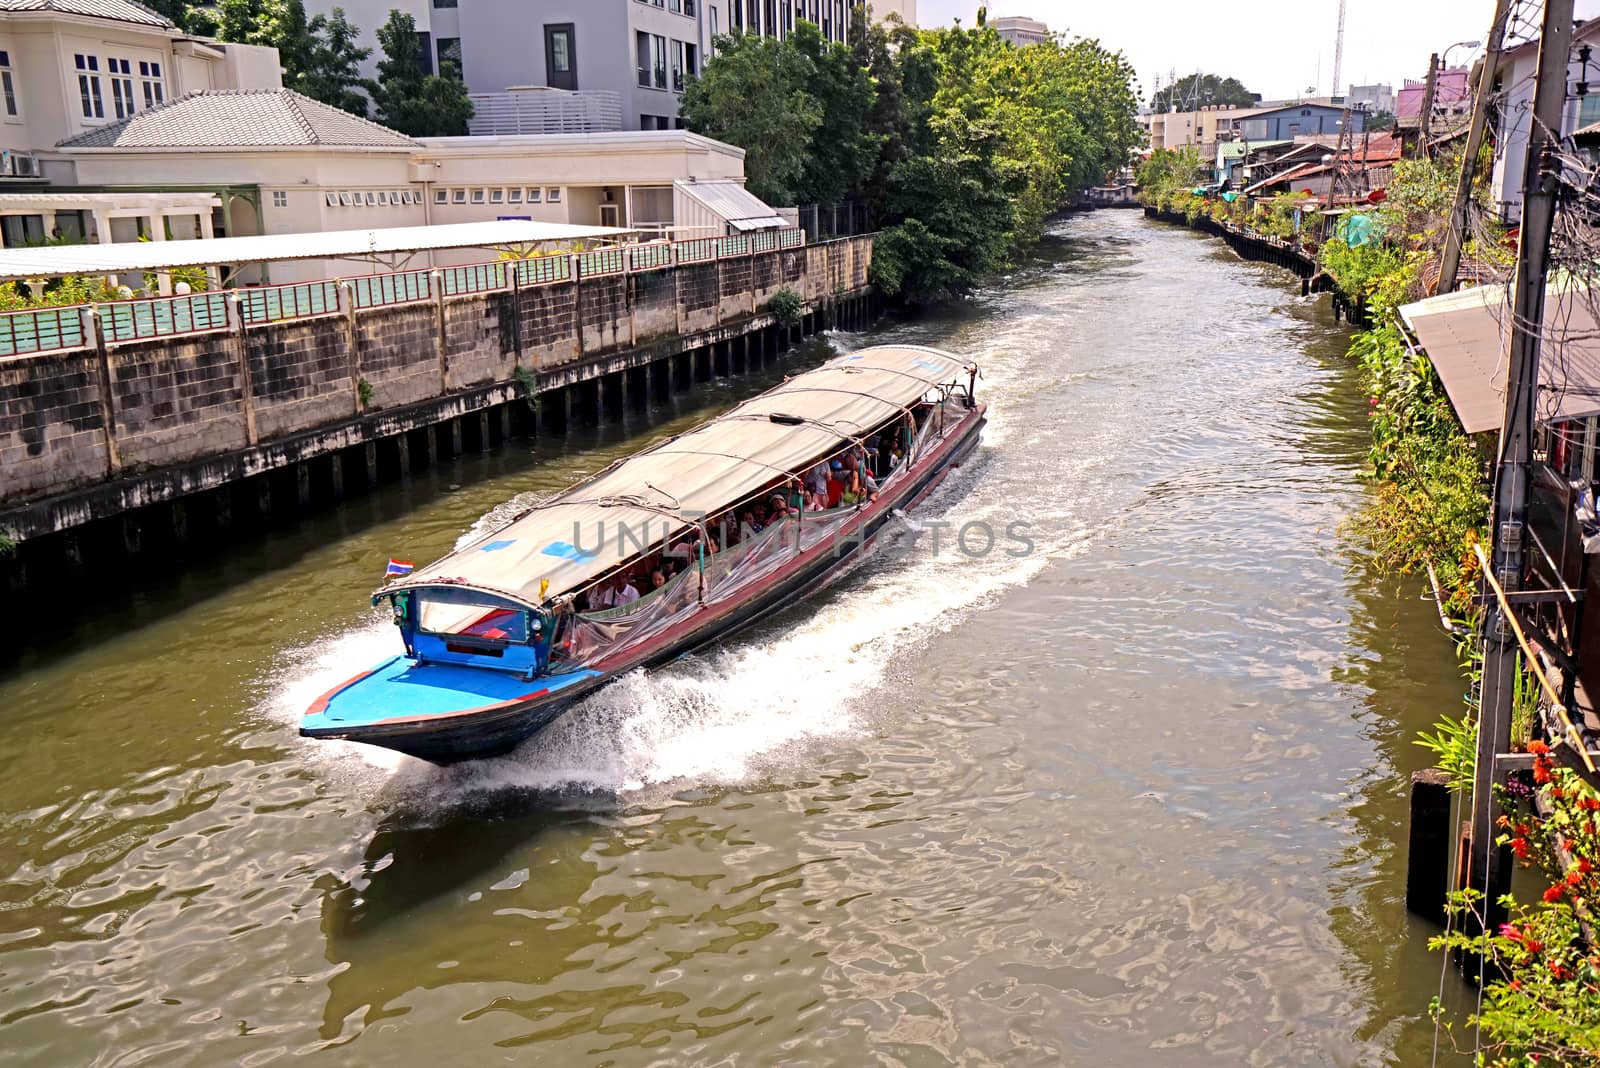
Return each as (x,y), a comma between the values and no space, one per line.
(356,710)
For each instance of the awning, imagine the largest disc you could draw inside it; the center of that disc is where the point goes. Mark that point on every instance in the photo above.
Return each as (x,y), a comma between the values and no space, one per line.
(1467,335)
(733,203)
(569,541)
(377,246)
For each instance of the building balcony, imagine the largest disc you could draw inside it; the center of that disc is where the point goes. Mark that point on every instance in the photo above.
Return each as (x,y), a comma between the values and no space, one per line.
(540,110)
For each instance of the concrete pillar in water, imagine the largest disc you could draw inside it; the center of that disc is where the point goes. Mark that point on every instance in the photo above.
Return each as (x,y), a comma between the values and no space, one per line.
(221,508)
(369,459)
(178,522)
(455,437)
(132,533)
(263,490)
(430,447)
(402,448)
(302,485)
(504,421)
(336,474)
(484,444)
(1428,851)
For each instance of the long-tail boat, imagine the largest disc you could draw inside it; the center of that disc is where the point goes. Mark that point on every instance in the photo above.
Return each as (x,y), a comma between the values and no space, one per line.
(658,555)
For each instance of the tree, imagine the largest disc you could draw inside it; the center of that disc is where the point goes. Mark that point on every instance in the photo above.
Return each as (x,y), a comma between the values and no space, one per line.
(1195,91)
(333,67)
(410,99)
(841,161)
(755,94)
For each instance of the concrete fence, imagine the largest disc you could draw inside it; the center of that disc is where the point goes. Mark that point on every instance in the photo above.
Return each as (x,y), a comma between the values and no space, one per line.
(107,409)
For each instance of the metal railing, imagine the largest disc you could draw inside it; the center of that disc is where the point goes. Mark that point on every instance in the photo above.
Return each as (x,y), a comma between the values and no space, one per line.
(48,329)
(300,300)
(132,320)
(41,330)
(545,111)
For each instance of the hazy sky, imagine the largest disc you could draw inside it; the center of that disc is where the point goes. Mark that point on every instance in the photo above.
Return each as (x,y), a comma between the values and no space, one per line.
(1274,49)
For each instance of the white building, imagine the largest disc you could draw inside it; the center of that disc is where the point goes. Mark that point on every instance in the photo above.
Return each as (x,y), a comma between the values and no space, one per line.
(1377,97)
(1020,30)
(626,61)
(281,163)
(71,66)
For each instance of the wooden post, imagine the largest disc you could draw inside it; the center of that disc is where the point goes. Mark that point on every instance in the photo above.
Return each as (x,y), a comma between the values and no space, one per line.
(436,279)
(347,304)
(1460,213)
(246,386)
(96,331)
(1427,106)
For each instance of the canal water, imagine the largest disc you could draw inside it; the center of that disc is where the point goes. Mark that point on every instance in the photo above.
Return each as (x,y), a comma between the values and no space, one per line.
(1133,796)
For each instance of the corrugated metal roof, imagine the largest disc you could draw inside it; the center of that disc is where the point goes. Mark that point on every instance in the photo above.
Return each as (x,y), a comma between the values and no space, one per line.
(732,202)
(118,10)
(52,261)
(1466,335)
(241,118)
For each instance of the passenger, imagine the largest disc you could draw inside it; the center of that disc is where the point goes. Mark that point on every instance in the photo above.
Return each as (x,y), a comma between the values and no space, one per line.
(852,491)
(628,593)
(658,579)
(817,478)
(817,502)
(835,483)
(605,594)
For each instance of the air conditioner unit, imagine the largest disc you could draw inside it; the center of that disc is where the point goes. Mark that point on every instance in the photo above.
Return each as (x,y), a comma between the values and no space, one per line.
(18,165)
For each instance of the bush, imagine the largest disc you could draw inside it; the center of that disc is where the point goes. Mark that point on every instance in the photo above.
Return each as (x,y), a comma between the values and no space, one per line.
(786,306)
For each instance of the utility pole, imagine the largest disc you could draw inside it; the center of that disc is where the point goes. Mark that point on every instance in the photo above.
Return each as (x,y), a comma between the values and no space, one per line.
(1489,868)
(1338,53)
(1460,215)
(1424,119)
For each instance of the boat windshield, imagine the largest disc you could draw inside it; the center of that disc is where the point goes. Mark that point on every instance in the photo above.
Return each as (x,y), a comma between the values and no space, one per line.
(484,617)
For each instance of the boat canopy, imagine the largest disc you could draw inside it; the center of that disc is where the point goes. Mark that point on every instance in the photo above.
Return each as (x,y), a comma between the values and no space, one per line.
(565,543)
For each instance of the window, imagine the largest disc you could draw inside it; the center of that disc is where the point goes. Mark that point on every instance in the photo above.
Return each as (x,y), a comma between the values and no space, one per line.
(333,200)
(121,86)
(383,198)
(94,106)
(444,3)
(458,196)
(8,88)
(449,49)
(497,196)
(347,199)
(534,195)
(735,14)
(514,196)
(477,196)
(691,60)
(641,43)
(688,8)
(552,196)
(441,196)
(713,23)
(280,199)
(659,56)
(677,66)
(150,83)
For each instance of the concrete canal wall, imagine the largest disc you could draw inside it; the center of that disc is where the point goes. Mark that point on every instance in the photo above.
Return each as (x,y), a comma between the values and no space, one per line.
(148,434)
(1254,247)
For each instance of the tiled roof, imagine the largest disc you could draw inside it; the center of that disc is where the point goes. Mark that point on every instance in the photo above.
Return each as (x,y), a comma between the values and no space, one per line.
(119,10)
(241,118)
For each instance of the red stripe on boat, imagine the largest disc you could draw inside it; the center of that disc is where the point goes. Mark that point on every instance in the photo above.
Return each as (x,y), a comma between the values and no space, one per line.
(321,703)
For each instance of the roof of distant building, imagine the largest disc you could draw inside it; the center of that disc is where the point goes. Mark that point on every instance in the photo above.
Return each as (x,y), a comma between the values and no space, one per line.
(118,10)
(241,118)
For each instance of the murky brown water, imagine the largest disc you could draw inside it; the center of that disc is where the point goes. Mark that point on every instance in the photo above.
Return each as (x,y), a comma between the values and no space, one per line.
(1134,798)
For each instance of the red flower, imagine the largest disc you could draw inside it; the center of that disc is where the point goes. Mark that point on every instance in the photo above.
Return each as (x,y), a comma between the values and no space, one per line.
(1553,894)
(1541,771)
(1584,865)
(1589,804)
(1522,828)
(1533,945)
(1519,846)
(1538,748)
(1558,971)
(1574,877)
(1515,984)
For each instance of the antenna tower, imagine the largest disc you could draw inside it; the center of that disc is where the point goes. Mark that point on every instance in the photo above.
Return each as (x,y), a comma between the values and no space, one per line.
(1338,51)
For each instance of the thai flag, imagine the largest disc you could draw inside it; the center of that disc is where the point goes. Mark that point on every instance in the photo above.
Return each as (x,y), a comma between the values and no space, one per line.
(397,568)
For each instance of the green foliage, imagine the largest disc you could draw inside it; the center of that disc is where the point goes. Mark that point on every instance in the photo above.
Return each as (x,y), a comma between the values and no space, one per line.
(56,293)
(1541,1003)
(7,544)
(321,57)
(786,306)
(364,391)
(1196,91)
(962,144)
(408,98)
(755,94)
(527,385)
(332,72)
(1454,745)
(1169,171)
